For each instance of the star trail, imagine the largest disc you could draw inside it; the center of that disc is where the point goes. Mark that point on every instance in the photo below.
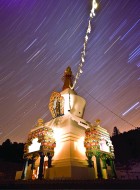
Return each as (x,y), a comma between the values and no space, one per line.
(40,38)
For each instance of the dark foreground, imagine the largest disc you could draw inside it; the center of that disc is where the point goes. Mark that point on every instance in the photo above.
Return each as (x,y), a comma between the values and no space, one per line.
(70,184)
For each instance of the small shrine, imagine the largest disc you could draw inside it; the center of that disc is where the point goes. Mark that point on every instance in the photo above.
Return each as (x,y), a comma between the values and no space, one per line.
(68,146)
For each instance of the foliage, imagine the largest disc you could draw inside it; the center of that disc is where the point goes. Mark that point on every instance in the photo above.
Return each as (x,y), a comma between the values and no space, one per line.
(126,145)
(12,152)
(115,131)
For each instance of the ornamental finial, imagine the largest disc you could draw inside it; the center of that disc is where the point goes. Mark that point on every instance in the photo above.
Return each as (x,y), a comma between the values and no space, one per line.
(98,121)
(40,122)
(67,78)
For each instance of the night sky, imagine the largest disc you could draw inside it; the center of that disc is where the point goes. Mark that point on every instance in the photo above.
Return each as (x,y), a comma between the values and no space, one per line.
(40,38)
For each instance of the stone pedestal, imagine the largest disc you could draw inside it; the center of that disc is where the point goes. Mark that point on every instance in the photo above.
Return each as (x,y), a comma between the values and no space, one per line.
(69,159)
(70,172)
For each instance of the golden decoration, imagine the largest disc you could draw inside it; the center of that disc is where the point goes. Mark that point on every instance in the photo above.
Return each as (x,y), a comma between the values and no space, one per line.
(45,137)
(98,121)
(56,105)
(40,122)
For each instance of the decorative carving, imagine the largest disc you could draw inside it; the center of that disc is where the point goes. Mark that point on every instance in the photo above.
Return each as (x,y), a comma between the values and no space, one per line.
(40,122)
(93,138)
(98,121)
(68,79)
(56,104)
(45,137)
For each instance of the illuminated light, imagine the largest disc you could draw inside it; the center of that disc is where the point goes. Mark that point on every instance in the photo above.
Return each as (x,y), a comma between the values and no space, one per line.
(103,146)
(79,145)
(134,54)
(83,53)
(130,29)
(112,45)
(94,6)
(35,146)
(137,107)
(123,114)
(33,56)
(57,136)
(118,29)
(138,64)
(58,148)
(37,172)
(34,175)
(30,45)
(57,133)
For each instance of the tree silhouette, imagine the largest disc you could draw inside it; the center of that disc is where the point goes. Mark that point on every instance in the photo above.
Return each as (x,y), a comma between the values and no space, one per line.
(115,131)
(12,152)
(126,146)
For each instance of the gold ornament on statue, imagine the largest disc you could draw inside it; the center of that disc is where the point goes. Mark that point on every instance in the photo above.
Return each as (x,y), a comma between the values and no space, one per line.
(40,122)
(98,121)
(56,104)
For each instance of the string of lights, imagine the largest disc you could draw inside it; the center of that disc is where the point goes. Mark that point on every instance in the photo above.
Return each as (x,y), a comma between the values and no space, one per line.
(83,53)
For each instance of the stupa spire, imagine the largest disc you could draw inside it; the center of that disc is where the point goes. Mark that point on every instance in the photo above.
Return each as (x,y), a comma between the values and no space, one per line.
(67,78)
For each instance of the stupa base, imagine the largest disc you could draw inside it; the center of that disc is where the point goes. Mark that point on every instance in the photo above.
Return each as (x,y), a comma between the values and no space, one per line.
(70,172)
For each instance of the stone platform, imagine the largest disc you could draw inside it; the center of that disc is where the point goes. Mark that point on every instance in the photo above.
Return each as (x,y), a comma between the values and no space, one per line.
(70,184)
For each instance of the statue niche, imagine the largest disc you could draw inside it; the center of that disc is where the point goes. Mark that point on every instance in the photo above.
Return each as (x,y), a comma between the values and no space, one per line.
(56,105)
